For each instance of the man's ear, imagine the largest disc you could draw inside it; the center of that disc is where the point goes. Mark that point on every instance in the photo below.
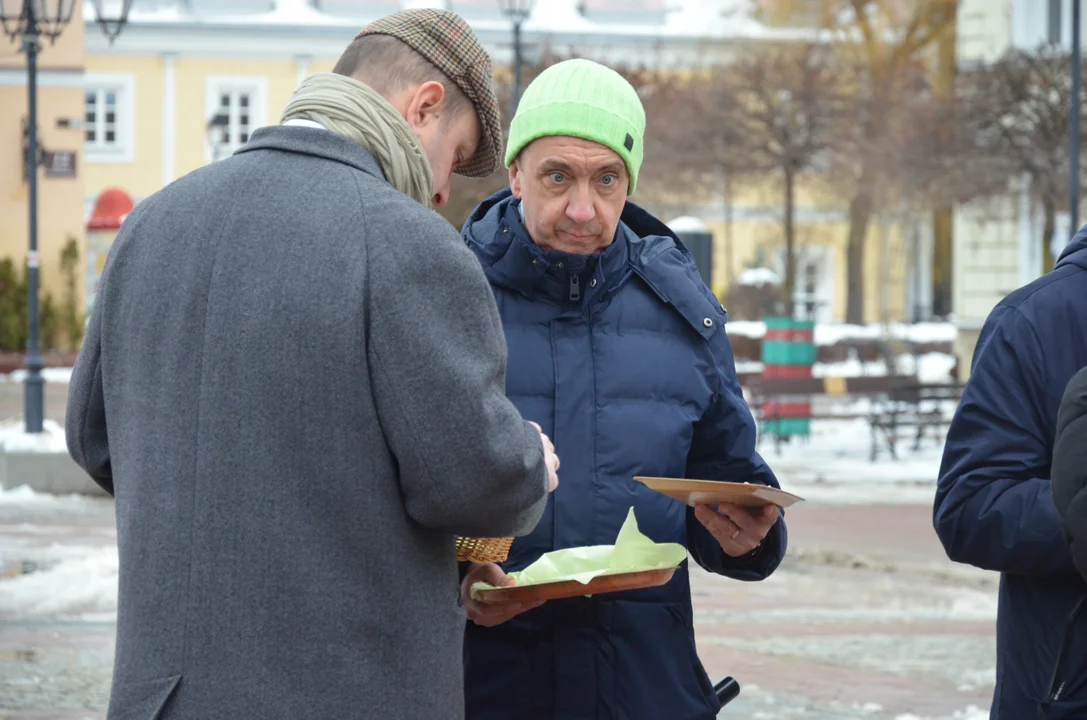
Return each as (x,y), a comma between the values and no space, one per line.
(425,105)
(516,176)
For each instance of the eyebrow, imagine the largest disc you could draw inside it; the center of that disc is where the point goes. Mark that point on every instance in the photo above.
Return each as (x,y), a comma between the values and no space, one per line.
(551,165)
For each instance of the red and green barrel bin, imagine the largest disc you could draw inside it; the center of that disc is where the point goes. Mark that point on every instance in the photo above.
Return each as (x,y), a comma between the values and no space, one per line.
(788,351)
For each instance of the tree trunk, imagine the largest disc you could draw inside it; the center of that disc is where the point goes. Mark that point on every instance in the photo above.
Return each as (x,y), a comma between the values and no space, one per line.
(789,289)
(727,193)
(884,271)
(942,261)
(1049,208)
(860,213)
(943,241)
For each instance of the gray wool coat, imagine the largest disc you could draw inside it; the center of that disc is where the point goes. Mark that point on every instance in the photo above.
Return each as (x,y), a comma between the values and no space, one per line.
(293,384)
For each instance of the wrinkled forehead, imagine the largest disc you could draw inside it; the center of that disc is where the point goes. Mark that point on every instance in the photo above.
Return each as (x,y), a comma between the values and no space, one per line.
(573,154)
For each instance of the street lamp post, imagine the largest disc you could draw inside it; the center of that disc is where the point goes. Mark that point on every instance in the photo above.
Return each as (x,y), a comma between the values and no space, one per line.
(1073,180)
(29,21)
(517,11)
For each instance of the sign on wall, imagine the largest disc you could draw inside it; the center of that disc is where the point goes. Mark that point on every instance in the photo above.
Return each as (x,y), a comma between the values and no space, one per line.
(59,163)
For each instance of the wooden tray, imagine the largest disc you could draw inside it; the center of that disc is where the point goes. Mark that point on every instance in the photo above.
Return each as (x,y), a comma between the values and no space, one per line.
(572,588)
(710,492)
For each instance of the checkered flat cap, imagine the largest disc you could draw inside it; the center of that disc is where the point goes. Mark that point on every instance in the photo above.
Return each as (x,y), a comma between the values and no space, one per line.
(448,43)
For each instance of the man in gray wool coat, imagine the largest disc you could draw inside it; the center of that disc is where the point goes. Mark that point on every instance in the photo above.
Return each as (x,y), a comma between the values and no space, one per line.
(293,384)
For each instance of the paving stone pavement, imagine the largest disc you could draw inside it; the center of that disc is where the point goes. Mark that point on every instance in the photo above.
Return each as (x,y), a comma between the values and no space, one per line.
(866,619)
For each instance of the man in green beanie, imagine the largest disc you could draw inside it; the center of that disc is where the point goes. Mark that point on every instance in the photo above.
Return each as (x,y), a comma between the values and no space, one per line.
(617,349)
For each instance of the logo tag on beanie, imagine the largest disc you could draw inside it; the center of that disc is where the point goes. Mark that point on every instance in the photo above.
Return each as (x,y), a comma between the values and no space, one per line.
(629,143)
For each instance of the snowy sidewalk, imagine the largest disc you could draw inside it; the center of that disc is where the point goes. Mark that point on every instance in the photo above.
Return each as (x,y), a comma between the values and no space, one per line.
(866,619)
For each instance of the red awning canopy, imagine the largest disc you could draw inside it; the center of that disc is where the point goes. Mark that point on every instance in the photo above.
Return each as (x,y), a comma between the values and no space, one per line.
(110,210)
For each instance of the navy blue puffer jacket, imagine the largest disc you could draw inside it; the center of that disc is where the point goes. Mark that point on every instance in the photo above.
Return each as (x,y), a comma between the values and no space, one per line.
(623,360)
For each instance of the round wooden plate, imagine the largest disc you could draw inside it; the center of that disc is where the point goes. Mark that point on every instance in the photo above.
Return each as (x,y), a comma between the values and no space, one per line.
(572,588)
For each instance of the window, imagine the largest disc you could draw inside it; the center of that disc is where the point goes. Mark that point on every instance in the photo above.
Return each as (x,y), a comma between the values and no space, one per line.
(108,118)
(807,290)
(813,291)
(235,108)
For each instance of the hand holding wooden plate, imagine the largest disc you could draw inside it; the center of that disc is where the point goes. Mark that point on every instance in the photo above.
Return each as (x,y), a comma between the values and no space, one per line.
(712,492)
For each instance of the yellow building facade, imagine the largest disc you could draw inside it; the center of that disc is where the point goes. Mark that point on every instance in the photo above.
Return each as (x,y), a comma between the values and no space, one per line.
(173,72)
(61,191)
(748,231)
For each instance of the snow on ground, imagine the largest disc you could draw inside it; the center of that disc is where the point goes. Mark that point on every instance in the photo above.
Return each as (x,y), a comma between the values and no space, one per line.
(58,556)
(59,375)
(971,713)
(932,367)
(13,437)
(833,466)
(22,498)
(758,276)
(831,333)
(83,586)
(687,224)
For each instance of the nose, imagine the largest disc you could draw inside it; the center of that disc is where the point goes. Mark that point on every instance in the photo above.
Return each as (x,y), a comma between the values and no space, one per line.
(581,208)
(441,193)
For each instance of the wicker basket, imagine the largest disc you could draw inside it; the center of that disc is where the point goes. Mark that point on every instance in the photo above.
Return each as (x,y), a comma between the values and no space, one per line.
(483,550)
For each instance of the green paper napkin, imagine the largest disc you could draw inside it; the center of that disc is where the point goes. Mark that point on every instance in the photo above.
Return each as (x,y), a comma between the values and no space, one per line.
(632,552)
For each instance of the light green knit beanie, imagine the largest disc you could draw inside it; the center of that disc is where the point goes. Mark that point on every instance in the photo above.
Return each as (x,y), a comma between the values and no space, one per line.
(583,99)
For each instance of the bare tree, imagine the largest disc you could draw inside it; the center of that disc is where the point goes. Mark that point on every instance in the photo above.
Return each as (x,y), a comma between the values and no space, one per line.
(883,40)
(692,157)
(1019,108)
(778,114)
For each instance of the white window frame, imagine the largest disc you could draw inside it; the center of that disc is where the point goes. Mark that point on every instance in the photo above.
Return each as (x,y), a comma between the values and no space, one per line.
(822,258)
(215,86)
(123,149)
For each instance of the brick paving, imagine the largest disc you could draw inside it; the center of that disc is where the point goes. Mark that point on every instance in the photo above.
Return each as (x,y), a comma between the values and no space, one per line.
(866,619)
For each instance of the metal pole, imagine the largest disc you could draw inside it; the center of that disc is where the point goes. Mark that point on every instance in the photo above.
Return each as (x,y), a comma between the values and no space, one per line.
(516,65)
(1054,18)
(35,406)
(1073,200)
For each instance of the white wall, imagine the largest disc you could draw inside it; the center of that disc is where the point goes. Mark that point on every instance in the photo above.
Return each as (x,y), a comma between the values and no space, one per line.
(1030,23)
(987,257)
(985,29)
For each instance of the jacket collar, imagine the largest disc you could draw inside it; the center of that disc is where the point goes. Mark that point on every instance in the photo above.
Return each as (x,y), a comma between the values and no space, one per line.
(511,259)
(316,142)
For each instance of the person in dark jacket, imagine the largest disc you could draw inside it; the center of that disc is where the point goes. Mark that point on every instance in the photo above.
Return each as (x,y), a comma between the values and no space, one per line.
(618,350)
(994,505)
(1070,468)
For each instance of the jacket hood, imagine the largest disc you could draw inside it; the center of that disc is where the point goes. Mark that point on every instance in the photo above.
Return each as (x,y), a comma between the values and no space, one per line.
(1075,252)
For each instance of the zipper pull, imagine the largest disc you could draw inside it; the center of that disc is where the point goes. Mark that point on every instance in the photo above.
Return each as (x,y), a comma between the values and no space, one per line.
(575,288)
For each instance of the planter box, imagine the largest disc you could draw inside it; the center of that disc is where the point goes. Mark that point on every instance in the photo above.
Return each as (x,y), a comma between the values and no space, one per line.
(45,472)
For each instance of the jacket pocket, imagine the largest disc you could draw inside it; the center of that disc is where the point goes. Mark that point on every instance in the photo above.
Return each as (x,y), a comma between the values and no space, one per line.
(142,699)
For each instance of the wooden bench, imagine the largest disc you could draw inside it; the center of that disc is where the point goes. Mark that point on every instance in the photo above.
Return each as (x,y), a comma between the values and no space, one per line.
(870,387)
(896,402)
(917,406)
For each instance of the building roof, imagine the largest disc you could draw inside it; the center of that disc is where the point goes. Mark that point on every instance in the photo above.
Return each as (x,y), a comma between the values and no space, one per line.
(557,23)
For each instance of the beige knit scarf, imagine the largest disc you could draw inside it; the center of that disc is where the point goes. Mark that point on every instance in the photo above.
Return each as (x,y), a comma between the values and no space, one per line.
(359,113)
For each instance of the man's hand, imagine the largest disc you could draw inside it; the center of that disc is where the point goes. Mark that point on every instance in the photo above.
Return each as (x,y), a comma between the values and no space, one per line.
(550,458)
(737,530)
(482,613)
